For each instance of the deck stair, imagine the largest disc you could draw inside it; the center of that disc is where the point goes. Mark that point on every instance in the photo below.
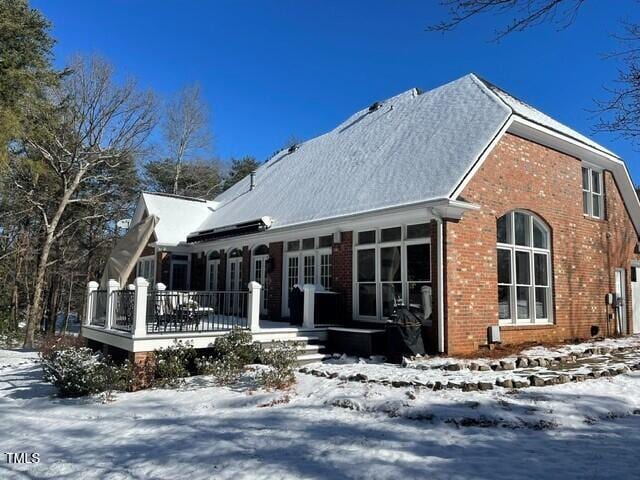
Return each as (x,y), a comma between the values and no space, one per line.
(311,348)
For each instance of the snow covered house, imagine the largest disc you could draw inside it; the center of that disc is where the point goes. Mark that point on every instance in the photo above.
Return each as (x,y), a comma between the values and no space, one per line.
(469,205)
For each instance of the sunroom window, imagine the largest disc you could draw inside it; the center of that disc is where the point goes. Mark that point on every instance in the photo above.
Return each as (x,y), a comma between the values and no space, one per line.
(524,269)
(592,193)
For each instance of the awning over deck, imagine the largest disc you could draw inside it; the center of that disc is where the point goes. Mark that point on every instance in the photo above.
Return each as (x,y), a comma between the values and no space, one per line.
(127,251)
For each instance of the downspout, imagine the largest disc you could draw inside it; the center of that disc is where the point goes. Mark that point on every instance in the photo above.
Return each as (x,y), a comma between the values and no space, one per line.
(440,260)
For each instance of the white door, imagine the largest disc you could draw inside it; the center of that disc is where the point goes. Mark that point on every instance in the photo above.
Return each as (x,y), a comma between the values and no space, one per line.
(635,298)
(291,278)
(234,275)
(259,274)
(621,301)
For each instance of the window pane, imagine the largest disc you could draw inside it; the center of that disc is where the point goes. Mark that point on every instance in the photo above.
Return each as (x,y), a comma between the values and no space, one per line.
(504,302)
(390,270)
(504,266)
(293,246)
(390,292)
(325,270)
(367,265)
(325,241)
(504,229)
(418,262)
(309,272)
(367,237)
(585,203)
(523,302)
(292,273)
(585,178)
(541,270)
(391,234)
(522,229)
(595,185)
(367,299)
(540,239)
(597,211)
(542,310)
(523,266)
(421,230)
(308,243)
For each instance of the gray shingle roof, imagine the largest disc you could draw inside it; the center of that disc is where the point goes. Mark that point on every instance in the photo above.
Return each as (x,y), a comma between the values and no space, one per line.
(414,147)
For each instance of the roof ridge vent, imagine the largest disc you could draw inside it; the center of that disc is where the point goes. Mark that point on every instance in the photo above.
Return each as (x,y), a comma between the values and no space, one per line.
(375,106)
(293,148)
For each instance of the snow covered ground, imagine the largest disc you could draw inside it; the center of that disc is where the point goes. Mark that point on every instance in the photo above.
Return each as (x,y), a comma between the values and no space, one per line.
(324,428)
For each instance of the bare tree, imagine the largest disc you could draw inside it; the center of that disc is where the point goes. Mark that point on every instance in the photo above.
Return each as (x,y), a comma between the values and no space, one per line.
(91,127)
(526,13)
(186,129)
(619,112)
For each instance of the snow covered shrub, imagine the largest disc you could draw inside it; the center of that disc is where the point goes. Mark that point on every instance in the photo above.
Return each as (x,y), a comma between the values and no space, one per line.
(74,371)
(227,370)
(239,343)
(281,358)
(52,343)
(173,363)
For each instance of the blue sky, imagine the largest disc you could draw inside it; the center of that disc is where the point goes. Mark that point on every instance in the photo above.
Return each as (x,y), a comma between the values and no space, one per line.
(271,70)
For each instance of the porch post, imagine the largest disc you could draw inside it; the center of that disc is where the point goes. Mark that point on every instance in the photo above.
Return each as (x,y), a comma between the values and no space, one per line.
(139,327)
(89,304)
(112,286)
(308,310)
(253,307)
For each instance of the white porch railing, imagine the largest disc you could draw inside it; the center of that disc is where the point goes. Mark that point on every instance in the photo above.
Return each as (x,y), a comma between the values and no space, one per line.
(140,311)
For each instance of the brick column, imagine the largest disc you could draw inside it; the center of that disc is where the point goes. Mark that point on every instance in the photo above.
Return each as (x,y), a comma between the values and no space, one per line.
(274,293)
(342,272)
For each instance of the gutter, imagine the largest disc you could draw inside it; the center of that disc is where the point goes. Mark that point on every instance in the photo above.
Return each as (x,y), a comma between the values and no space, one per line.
(440,260)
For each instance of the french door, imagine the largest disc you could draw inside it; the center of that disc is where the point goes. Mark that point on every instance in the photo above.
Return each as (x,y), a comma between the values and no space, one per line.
(291,278)
(635,297)
(259,274)
(621,300)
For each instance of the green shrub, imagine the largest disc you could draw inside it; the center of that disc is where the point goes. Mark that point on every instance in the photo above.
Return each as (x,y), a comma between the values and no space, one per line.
(77,371)
(173,364)
(281,358)
(227,370)
(239,343)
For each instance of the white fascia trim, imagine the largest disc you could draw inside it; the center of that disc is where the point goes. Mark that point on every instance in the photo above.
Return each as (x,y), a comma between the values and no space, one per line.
(590,155)
(462,183)
(392,215)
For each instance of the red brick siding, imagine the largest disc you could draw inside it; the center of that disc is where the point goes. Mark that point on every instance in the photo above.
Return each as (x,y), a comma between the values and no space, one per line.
(274,294)
(519,174)
(342,271)
(246,268)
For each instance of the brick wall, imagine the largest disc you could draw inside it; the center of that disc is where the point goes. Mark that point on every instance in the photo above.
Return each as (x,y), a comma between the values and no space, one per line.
(519,174)
(274,294)
(342,271)
(246,268)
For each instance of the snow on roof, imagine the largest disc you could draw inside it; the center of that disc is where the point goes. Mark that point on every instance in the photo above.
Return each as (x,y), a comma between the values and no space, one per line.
(178,216)
(414,147)
(530,113)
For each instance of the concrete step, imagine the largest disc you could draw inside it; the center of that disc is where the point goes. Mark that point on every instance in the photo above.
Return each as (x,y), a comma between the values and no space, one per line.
(311,358)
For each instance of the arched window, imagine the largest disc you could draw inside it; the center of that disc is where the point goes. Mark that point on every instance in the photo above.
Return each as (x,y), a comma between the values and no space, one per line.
(261,250)
(215,255)
(235,253)
(524,269)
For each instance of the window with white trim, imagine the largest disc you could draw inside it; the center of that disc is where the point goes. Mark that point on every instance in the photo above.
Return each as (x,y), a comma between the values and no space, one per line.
(392,263)
(146,269)
(213,271)
(309,261)
(524,269)
(592,193)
